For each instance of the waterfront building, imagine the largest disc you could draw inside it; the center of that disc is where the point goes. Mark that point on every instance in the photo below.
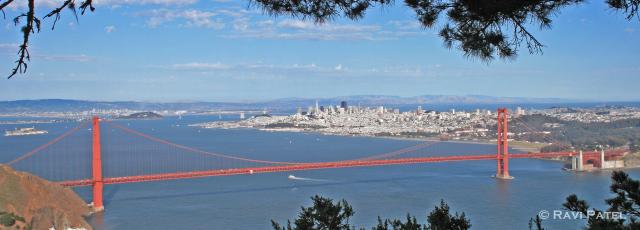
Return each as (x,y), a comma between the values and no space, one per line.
(520,111)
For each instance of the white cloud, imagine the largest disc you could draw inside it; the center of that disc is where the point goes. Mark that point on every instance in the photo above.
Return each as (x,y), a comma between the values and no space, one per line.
(298,70)
(241,23)
(6,47)
(114,3)
(293,29)
(265,23)
(109,29)
(198,18)
(11,48)
(67,58)
(232,12)
(143,2)
(296,24)
(327,27)
(191,17)
(629,30)
(200,66)
(405,25)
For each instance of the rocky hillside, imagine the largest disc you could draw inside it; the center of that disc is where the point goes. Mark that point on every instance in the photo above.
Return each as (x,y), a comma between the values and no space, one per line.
(29,202)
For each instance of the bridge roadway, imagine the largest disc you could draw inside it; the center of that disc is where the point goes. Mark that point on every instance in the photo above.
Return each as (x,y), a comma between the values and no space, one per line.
(318,165)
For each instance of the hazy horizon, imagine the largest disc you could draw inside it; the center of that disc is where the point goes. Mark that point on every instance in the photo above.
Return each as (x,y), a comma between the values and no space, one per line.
(517,99)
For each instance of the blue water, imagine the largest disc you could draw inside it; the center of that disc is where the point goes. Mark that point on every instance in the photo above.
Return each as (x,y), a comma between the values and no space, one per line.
(251,201)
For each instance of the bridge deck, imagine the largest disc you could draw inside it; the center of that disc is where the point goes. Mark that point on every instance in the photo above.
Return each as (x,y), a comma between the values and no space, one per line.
(312,166)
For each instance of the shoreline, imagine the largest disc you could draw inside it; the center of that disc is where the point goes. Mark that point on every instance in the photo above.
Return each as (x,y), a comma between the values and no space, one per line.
(515,146)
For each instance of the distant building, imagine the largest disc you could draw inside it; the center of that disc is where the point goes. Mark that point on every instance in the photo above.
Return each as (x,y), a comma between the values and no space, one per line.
(343,104)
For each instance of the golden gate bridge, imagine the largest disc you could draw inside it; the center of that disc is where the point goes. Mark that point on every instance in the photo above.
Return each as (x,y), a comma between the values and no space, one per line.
(132,157)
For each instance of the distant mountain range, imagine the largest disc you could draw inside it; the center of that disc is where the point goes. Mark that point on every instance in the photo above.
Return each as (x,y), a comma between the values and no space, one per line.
(424,99)
(58,105)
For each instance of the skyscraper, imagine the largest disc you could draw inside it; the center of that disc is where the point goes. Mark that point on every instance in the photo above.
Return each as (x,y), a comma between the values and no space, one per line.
(343,104)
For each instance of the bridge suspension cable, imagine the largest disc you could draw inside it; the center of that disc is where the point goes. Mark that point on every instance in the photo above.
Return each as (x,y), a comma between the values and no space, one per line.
(398,152)
(191,149)
(524,125)
(44,146)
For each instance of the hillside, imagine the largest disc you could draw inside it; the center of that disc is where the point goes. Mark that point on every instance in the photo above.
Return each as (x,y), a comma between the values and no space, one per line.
(29,201)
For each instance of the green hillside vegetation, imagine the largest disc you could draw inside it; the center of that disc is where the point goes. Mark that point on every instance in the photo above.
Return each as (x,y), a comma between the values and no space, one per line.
(580,135)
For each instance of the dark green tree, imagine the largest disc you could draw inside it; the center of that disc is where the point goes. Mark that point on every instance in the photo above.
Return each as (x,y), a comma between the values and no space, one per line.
(479,28)
(382,225)
(626,201)
(441,219)
(7,220)
(634,145)
(323,215)
(410,224)
(535,224)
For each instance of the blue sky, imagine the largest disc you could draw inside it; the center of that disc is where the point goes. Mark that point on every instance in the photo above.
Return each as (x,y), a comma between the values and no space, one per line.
(224,50)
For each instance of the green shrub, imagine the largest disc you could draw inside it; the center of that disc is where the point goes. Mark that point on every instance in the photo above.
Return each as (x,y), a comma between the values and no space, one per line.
(7,220)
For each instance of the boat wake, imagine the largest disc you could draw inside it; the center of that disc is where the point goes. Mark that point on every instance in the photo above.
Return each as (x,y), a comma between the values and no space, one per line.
(292,177)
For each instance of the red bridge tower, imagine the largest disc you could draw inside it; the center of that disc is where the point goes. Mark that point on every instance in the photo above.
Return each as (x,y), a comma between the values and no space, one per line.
(97,167)
(502,157)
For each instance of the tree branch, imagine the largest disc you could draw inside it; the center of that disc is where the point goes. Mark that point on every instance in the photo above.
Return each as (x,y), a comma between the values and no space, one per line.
(4,4)
(67,4)
(30,27)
